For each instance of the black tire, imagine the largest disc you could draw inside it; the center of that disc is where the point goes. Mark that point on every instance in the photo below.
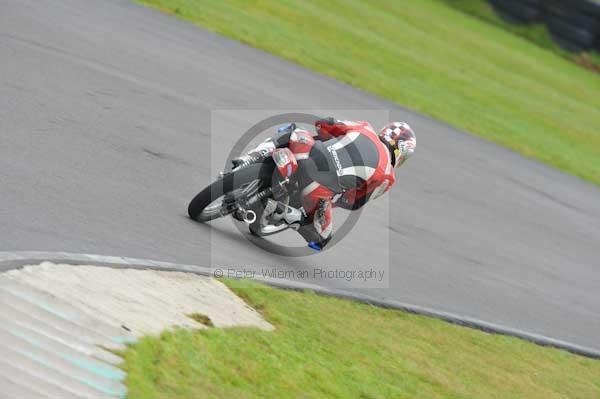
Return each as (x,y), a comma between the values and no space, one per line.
(518,10)
(579,38)
(574,16)
(226,184)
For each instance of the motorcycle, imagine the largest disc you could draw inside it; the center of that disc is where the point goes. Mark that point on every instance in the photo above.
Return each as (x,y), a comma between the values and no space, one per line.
(264,195)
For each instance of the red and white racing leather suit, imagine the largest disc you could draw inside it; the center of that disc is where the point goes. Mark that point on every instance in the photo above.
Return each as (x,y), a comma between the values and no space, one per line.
(345,166)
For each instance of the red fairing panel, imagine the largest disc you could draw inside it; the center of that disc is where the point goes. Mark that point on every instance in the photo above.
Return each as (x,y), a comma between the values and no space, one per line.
(329,128)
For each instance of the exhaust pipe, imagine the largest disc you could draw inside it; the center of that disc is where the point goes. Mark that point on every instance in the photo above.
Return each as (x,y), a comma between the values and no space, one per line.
(249,217)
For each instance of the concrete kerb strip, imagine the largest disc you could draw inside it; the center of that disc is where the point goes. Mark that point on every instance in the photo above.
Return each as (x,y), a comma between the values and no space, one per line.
(15,260)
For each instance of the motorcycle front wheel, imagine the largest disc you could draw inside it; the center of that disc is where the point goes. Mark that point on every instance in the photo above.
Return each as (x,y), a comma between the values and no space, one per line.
(206,205)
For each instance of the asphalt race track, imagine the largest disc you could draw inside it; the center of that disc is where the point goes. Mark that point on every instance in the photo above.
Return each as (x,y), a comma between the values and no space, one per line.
(105,136)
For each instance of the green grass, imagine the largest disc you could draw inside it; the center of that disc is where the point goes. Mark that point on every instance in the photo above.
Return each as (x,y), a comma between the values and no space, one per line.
(428,56)
(536,33)
(331,348)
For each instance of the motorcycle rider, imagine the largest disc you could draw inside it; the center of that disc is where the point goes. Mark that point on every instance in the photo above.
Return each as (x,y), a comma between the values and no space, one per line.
(345,165)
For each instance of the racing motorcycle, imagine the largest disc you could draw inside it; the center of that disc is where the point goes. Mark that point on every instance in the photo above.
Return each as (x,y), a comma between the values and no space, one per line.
(263,194)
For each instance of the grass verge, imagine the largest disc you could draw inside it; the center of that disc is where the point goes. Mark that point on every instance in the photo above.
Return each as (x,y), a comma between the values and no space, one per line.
(333,348)
(428,56)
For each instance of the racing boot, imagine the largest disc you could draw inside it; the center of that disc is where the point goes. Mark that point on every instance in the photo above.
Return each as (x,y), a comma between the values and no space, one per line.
(278,211)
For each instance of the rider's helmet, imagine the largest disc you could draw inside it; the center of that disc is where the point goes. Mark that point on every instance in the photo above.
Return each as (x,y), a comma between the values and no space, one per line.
(400,140)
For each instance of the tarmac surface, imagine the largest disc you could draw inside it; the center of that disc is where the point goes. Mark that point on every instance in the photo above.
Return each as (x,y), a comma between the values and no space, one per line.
(110,123)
